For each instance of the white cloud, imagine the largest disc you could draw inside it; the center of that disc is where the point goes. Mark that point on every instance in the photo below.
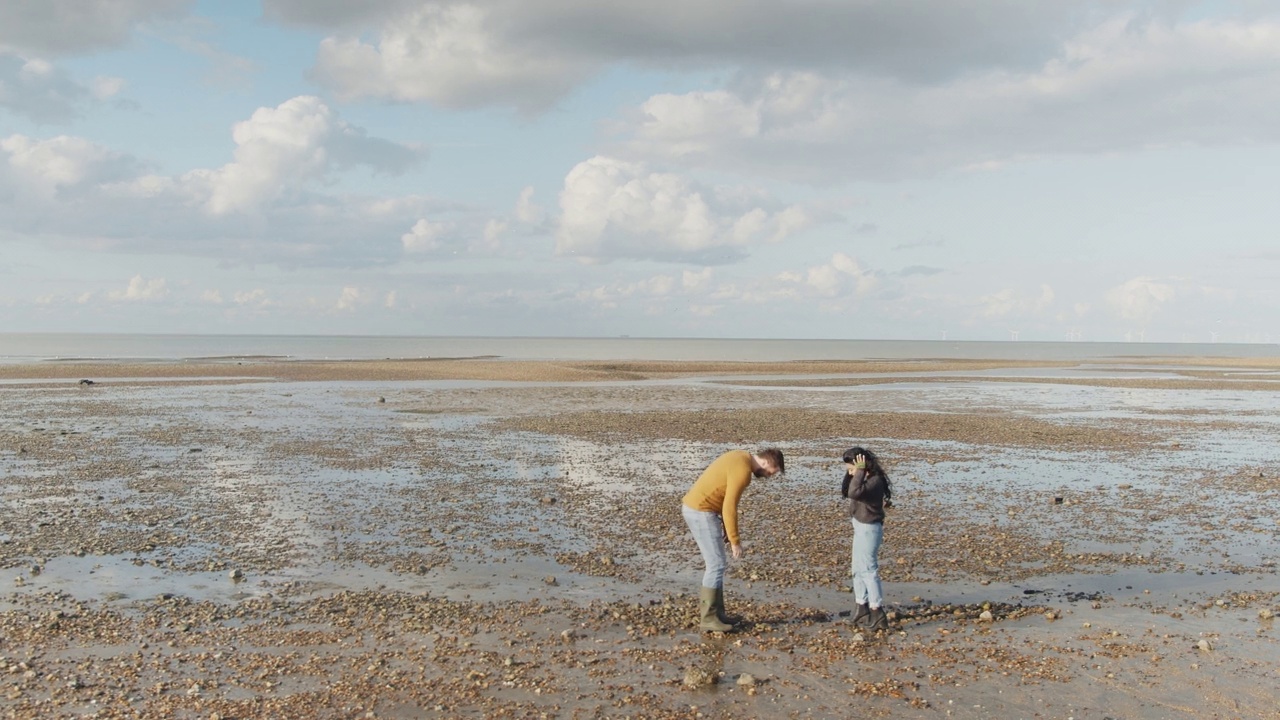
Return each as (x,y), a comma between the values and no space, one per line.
(423,237)
(1140,298)
(60,166)
(613,209)
(1124,84)
(390,300)
(490,240)
(690,280)
(289,146)
(350,298)
(105,87)
(257,297)
(527,211)
(841,276)
(446,54)
(141,289)
(267,204)
(212,296)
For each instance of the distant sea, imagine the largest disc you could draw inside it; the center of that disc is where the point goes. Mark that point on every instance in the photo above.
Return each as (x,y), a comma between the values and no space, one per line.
(32,347)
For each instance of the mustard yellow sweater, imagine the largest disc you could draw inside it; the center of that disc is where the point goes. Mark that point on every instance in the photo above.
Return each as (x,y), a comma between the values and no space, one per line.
(719,488)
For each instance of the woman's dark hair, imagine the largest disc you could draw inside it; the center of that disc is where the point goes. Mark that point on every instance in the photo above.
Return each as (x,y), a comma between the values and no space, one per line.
(873,466)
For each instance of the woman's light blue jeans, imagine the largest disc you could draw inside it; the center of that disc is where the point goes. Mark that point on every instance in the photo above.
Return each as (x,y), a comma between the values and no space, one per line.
(866,567)
(708,532)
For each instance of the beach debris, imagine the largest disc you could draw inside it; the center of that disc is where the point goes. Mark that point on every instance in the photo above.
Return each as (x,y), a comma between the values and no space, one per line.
(382,399)
(986,616)
(87,381)
(1205,645)
(551,580)
(1266,613)
(746,680)
(236,574)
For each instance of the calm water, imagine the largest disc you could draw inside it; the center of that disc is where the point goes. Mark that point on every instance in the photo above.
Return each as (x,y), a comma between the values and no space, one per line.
(28,347)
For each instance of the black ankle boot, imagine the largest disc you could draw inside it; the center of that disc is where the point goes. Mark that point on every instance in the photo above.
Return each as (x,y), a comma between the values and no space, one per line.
(877,620)
(861,613)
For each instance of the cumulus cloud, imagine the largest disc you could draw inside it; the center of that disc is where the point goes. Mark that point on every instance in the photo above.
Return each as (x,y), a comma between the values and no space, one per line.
(255,297)
(1140,298)
(423,237)
(60,166)
(490,240)
(141,289)
(269,203)
(527,211)
(613,209)
(839,276)
(1124,84)
(350,298)
(283,148)
(67,27)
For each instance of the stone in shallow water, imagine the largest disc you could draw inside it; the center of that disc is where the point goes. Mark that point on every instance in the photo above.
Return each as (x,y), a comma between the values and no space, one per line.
(696,677)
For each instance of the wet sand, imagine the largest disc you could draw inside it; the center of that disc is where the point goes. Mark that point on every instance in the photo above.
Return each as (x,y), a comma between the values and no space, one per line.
(244,538)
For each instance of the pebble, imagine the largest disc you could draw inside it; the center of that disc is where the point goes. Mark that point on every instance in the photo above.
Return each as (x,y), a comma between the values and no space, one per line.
(696,677)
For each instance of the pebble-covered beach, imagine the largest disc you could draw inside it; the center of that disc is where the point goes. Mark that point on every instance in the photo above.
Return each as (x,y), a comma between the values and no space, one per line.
(481,538)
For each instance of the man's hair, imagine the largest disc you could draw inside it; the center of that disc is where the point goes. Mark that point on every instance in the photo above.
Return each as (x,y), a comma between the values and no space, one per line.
(775,455)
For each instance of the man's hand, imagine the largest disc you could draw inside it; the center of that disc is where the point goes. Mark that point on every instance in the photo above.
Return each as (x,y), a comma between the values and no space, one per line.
(737,551)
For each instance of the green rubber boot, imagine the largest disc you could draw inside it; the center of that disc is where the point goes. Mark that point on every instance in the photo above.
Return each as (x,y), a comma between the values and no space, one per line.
(721,614)
(708,612)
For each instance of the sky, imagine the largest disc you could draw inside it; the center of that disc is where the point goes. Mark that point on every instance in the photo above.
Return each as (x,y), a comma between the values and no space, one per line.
(1063,170)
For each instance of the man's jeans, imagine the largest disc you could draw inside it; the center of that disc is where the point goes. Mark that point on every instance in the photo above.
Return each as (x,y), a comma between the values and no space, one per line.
(866,566)
(708,532)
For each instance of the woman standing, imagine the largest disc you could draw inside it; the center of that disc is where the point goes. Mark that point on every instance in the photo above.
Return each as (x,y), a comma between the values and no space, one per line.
(867,487)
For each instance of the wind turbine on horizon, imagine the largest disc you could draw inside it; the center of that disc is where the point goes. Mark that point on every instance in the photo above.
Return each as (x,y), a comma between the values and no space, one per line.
(1013,335)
